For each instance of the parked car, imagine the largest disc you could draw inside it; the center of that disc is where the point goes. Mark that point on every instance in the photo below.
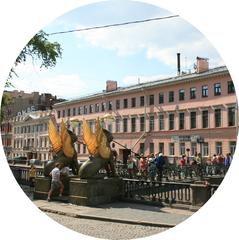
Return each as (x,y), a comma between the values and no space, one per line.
(35,162)
(19,160)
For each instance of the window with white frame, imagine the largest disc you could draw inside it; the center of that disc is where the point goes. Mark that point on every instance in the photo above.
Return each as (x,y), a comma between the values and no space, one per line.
(218,147)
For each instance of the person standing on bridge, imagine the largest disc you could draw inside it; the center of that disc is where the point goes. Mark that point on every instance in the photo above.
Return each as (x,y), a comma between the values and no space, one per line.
(56,181)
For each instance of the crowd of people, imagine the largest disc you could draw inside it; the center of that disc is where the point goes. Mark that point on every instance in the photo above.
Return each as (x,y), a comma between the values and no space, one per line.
(152,166)
(144,166)
(216,159)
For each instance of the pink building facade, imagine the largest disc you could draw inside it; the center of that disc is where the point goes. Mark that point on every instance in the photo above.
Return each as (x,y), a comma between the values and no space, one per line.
(187,113)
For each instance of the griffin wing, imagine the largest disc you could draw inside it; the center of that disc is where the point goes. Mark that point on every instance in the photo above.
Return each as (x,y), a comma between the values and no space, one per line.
(68,148)
(103,147)
(54,137)
(89,139)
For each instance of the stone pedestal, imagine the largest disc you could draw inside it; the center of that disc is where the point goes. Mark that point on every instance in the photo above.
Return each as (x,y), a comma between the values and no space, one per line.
(42,186)
(85,192)
(92,192)
(200,194)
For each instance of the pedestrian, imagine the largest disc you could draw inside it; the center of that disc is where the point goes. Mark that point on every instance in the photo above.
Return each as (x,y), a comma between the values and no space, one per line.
(32,177)
(227,160)
(152,169)
(182,161)
(56,182)
(130,166)
(143,167)
(160,162)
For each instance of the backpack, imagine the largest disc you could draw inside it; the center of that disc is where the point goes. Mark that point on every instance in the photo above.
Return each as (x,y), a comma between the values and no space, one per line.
(160,162)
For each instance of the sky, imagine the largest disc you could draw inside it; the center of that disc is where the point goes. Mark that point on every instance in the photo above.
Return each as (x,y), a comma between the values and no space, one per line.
(127,54)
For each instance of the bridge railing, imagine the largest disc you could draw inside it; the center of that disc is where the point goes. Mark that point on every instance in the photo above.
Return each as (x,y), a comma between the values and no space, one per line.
(187,192)
(173,172)
(21,172)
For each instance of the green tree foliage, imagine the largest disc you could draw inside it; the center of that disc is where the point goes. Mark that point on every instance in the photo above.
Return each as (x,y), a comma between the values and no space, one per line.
(6,100)
(40,49)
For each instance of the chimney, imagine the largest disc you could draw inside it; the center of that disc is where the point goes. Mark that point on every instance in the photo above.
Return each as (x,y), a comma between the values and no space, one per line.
(202,65)
(178,64)
(111,85)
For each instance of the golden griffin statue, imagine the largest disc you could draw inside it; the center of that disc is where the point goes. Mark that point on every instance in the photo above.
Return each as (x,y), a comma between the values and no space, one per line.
(98,145)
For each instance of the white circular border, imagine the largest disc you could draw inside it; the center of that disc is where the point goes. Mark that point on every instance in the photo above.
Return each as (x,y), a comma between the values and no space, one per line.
(20,20)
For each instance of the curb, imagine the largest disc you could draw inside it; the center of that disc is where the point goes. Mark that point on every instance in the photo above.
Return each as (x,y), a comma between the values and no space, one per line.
(107,219)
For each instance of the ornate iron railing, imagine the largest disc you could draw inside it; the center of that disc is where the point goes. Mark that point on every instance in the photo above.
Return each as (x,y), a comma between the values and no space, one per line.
(157,192)
(172,172)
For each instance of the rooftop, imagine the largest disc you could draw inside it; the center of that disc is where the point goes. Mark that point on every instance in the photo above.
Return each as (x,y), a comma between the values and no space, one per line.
(165,81)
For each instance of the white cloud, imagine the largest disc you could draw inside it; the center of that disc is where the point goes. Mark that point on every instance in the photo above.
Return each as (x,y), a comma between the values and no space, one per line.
(159,40)
(62,85)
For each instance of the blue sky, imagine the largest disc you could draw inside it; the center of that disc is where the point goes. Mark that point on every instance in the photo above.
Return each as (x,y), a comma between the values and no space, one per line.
(145,51)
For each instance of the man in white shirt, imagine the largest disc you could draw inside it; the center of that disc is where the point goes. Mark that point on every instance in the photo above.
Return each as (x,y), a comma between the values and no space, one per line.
(56,181)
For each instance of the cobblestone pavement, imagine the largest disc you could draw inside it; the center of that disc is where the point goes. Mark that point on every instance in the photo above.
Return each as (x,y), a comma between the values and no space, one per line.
(114,231)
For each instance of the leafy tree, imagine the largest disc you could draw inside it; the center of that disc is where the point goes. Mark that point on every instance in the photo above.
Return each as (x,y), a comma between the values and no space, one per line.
(6,100)
(39,48)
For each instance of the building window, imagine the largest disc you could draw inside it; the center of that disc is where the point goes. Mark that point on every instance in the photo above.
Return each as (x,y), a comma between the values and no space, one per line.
(141,148)
(171,96)
(217,89)
(182,148)
(110,127)
(151,123)
(103,106)
(205,149)
(193,119)
(79,110)
(125,125)
(97,107)
(232,147)
(92,125)
(110,105)
(74,111)
(193,148)
(161,98)
(230,87)
(171,121)
(205,119)
(63,113)
(133,102)
(161,122)
(181,94)
(91,108)
(117,104)
(171,149)
(141,101)
(218,118)
(161,147)
(205,91)
(78,148)
(151,99)
(192,93)
(133,124)
(218,148)
(231,116)
(85,109)
(84,148)
(151,147)
(142,123)
(117,125)
(181,120)
(68,112)
(125,103)
(58,114)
